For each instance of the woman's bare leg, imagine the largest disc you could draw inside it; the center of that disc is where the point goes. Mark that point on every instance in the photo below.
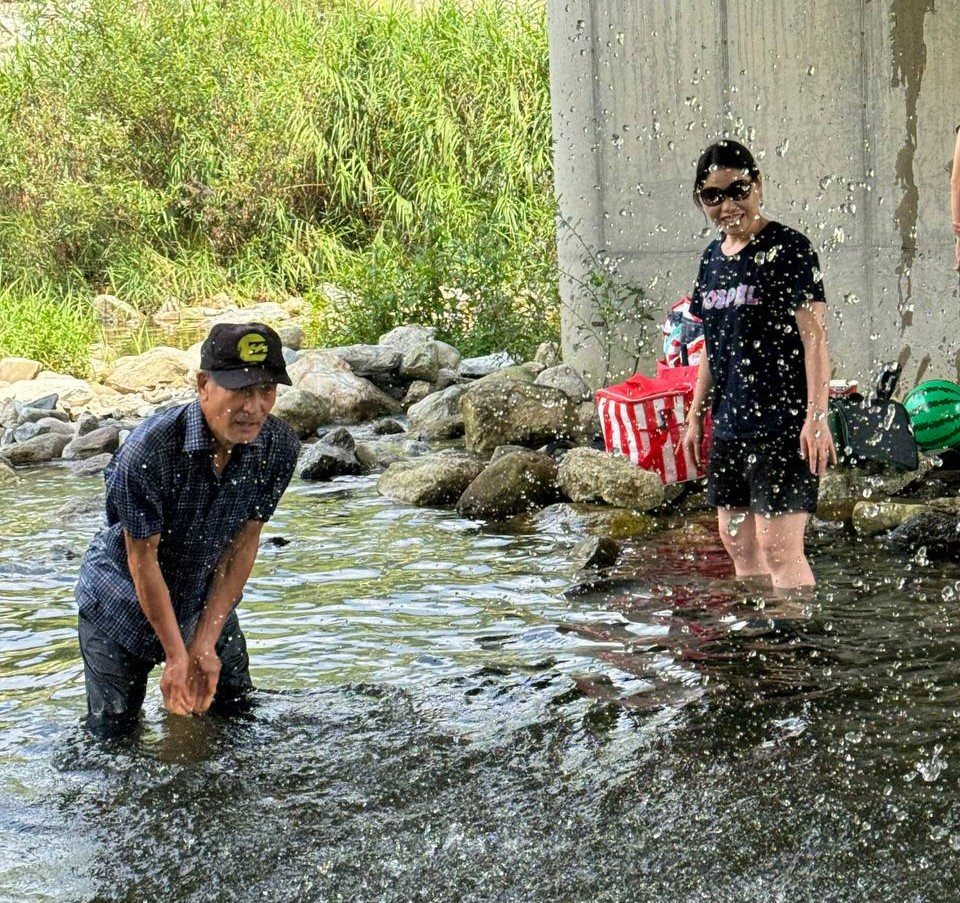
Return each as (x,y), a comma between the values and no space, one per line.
(738,532)
(780,542)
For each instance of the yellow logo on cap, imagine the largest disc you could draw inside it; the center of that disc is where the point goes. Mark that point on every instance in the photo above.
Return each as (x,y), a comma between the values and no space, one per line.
(252,348)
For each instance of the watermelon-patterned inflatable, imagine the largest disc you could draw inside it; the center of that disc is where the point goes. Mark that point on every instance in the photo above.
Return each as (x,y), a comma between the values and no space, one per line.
(934,411)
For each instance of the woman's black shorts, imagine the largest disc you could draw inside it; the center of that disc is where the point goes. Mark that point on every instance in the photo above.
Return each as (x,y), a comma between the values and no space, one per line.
(765,475)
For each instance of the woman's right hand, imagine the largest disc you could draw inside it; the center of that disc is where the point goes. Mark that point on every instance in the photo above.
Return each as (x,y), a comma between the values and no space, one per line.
(692,441)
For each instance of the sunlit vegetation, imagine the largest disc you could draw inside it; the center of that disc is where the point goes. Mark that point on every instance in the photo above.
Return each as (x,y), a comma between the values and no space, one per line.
(160,149)
(45,325)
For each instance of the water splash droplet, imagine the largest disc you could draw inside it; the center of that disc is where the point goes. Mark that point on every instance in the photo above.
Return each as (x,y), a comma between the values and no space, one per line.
(735,523)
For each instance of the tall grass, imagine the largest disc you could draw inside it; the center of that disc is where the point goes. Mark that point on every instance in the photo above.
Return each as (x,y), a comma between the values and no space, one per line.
(180,148)
(50,327)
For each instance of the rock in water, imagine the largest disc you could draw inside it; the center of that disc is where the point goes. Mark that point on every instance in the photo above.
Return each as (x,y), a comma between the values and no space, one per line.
(936,531)
(871,518)
(438,416)
(595,552)
(516,481)
(430,480)
(341,437)
(97,442)
(324,461)
(8,476)
(588,475)
(89,467)
(37,450)
(387,427)
(375,456)
(515,413)
(302,411)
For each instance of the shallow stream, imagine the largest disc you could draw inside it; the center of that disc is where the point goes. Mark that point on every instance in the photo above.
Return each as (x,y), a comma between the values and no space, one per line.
(445,713)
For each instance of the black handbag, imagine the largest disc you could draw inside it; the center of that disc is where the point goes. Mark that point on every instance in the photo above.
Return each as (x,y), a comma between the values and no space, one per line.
(874,431)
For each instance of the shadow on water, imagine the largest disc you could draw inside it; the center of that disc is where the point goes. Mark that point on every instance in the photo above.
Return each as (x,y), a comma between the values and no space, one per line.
(662,732)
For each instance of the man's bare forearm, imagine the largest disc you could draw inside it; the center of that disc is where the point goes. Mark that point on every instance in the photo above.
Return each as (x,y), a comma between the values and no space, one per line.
(153,593)
(226,587)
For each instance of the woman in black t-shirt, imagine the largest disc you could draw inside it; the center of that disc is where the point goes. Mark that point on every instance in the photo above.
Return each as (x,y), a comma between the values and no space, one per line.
(761,299)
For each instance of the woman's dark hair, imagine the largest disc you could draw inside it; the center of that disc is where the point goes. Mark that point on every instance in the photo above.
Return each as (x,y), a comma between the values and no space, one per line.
(726,153)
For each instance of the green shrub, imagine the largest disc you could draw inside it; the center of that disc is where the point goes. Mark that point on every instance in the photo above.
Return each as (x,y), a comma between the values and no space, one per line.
(481,292)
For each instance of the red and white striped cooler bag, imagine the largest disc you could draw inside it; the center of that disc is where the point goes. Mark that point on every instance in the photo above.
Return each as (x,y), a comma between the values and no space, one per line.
(642,418)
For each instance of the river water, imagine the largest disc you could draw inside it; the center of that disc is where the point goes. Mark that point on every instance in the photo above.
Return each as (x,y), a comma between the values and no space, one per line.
(445,713)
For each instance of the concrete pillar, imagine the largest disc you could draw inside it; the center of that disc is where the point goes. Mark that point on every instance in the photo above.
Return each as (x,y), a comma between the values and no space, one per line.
(847,105)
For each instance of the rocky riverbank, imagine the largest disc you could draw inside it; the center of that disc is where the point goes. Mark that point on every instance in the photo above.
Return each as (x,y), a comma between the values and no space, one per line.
(491,436)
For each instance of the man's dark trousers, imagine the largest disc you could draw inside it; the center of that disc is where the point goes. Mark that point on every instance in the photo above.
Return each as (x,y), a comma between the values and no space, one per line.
(117,681)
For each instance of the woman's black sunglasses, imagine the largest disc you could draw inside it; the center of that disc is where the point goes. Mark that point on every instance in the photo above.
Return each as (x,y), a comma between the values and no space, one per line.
(736,191)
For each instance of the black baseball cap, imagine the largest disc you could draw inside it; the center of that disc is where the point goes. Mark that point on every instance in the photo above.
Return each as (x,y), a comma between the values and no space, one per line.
(238,355)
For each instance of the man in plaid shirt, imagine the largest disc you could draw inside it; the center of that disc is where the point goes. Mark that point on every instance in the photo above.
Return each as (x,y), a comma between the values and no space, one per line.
(187,496)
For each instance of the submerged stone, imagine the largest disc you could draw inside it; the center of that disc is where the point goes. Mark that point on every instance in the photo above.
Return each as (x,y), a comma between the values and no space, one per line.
(871,518)
(374,456)
(8,476)
(595,552)
(387,427)
(92,466)
(936,531)
(340,437)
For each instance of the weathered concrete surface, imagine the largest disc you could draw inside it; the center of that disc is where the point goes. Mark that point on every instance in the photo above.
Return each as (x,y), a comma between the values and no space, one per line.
(846,101)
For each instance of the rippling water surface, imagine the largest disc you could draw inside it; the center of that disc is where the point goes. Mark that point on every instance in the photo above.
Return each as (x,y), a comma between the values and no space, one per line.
(446,712)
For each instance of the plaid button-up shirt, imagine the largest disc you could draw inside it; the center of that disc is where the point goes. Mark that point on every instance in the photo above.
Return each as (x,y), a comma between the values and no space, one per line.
(162,480)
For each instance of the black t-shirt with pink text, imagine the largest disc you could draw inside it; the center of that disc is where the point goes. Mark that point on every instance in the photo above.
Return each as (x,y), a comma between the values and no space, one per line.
(748,304)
